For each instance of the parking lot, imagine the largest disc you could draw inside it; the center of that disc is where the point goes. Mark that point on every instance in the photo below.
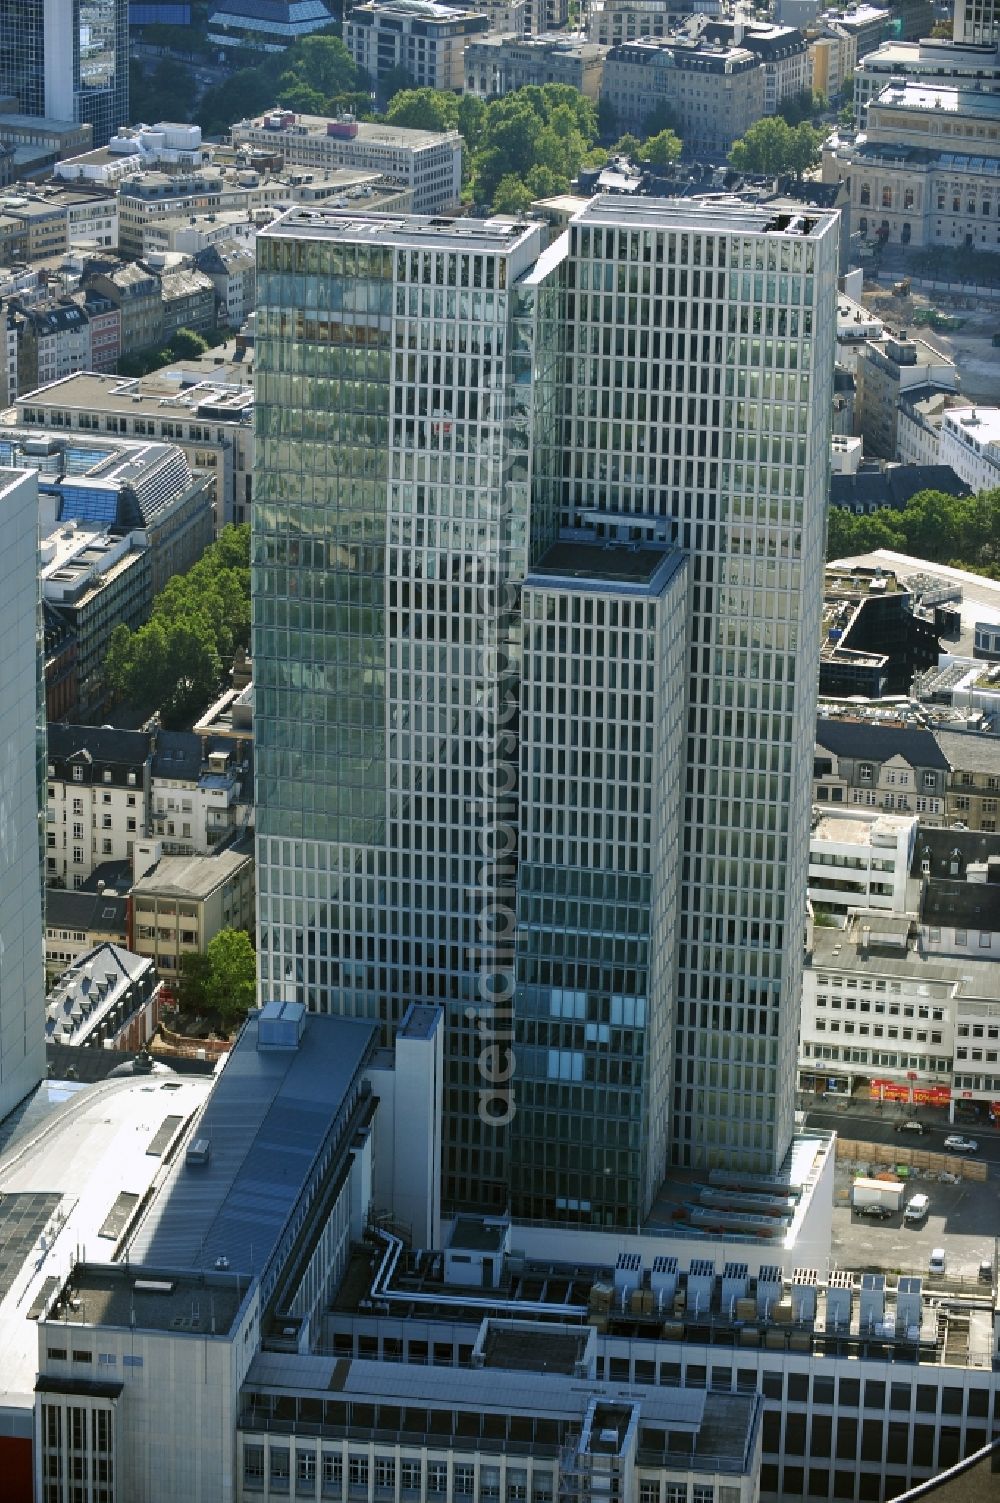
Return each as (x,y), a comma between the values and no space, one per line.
(964,1219)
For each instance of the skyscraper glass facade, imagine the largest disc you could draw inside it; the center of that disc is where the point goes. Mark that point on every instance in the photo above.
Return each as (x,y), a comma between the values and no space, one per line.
(568,809)
(67,59)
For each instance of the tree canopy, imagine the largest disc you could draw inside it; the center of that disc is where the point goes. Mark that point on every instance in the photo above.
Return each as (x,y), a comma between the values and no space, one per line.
(772,146)
(424,109)
(529,144)
(963,531)
(175,663)
(316,75)
(223,980)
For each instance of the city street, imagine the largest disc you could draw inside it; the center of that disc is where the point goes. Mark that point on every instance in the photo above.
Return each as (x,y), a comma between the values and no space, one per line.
(854,1121)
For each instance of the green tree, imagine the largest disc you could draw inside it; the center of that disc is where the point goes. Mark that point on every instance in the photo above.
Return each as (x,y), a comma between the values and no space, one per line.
(471,120)
(322,62)
(231,989)
(771,147)
(196,970)
(661,150)
(186,344)
(424,109)
(803,149)
(511,196)
(200,619)
(627,146)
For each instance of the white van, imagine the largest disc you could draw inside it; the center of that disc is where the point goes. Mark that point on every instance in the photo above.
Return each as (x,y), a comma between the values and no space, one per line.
(916,1208)
(936,1262)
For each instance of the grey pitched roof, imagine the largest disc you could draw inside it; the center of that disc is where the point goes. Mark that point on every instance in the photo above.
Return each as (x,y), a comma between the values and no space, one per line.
(936,845)
(94,912)
(962,905)
(102,743)
(177,754)
(968,751)
(877,743)
(894,487)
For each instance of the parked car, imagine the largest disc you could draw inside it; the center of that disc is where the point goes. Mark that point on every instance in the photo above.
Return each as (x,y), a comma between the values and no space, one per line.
(914,1126)
(957,1144)
(916,1208)
(986,1270)
(877,1213)
(937,1262)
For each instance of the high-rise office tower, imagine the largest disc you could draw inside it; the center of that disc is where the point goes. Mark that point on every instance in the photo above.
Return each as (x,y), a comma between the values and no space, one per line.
(391,507)
(67,59)
(538,558)
(22,789)
(977,21)
(699,391)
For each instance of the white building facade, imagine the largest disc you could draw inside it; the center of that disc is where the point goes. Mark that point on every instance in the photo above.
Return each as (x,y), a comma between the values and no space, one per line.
(970,443)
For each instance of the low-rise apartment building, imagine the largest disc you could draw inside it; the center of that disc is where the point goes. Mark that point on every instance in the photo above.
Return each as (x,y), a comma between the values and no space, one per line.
(972,797)
(93,581)
(898,769)
(137,294)
(714,93)
(833,54)
(885,369)
(496,65)
(860,860)
(201,793)
(211,421)
(947,777)
(427,163)
(420,38)
(108,998)
(188,299)
(77,920)
(782,49)
(180,903)
(53,340)
(970,444)
(98,799)
(231,268)
(919,420)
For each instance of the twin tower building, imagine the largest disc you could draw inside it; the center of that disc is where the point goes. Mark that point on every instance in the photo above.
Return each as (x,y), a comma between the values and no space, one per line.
(538,557)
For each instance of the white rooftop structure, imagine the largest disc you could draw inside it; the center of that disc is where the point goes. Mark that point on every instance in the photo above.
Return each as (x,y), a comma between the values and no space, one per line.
(68,1184)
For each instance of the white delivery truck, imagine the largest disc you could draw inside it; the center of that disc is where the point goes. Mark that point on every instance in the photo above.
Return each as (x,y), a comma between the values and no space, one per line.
(877,1192)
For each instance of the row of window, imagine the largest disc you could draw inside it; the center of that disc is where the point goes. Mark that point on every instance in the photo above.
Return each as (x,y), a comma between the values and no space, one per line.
(854,1004)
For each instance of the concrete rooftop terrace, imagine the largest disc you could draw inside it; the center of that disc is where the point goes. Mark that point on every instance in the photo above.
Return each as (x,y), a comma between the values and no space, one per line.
(428,231)
(71,1165)
(692,214)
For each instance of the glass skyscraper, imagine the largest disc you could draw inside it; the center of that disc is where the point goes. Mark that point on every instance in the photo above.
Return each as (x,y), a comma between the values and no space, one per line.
(538,549)
(22,793)
(67,59)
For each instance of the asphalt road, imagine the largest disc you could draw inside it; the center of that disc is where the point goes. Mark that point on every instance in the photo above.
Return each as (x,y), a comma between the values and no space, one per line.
(876,1128)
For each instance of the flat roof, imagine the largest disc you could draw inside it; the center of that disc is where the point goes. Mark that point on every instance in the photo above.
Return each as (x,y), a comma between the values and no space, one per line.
(492,1390)
(266,1121)
(632,568)
(367,131)
(914,94)
(499,235)
(190,876)
(841,950)
(980,425)
(76,1149)
(694,214)
(151,1299)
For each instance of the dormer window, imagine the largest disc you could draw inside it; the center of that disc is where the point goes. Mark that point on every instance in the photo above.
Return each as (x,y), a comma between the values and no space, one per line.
(77,774)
